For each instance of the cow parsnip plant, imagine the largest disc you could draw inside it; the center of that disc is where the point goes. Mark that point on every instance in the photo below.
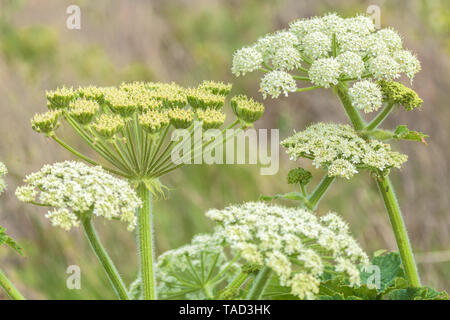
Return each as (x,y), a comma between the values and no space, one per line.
(256,250)
(360,64)
(129,127)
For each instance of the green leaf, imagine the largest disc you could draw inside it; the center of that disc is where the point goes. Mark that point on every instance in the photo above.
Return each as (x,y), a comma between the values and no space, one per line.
(390,267)
(338,287)
(5,239)
(422,293)
(403,133)
(275,291)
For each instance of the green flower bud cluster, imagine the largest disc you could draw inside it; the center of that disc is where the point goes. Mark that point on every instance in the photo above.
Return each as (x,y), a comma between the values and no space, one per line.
(216,87)
(108,125)
(45,122)
(181,118)
(83,110)
(246,109)
(211,118)
(399,94)
(121,123)
(153,121)
(201,99)
(299,176)
(60,98)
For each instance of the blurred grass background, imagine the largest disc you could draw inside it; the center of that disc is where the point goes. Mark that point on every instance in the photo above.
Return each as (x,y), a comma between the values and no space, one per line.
(188,41)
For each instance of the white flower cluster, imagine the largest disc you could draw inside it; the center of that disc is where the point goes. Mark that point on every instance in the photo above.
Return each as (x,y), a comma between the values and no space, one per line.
(3,172)
(73,188)
(338,149)
(294,243)
(336,48)
(366,95)
(182,272)
(276,82)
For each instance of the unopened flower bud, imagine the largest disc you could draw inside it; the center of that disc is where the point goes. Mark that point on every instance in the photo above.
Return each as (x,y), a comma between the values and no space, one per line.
(181,118)
(211,118)
(201,99)
(45,122)
(83,110)
(246,109)
(60,98)
(108,125)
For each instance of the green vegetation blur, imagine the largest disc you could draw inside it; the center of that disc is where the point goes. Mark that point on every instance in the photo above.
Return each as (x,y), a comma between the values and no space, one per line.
(186,42)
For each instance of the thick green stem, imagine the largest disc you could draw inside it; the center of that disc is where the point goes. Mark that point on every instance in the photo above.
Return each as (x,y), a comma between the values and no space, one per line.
(111,271)
(145,243)
(353,114)
(259,284)
(229,293)
(389,198)
(399,228)
(9,287)
(320,191)
(380,117)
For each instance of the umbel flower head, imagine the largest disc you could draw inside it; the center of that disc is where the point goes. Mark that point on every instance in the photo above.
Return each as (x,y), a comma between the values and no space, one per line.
(74,189)
(338,149)
(294,243)
(326,51)
(3,172)
(129,126)
(197,264)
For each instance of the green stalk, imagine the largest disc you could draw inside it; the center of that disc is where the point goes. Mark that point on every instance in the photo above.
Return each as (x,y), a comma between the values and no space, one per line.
(399,228)
(342,92)
(319,191)
(111,271)
(380,117)
(83,157)
(259,284)
(389,198)
(9,287)
(145,243)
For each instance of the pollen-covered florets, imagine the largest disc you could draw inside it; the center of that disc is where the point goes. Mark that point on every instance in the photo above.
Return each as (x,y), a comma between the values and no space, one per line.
(338,149)
(277,82)
(291,241)
(366,95)
(3,172)
(74,189)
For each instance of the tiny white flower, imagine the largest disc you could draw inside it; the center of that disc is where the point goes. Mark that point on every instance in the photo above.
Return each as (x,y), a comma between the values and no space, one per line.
(325,72)
(391,38)
(351,64)
(409,64)
(245,60)
(277,82)
(384,67)
(316,45)
(366,95)
(287,58)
